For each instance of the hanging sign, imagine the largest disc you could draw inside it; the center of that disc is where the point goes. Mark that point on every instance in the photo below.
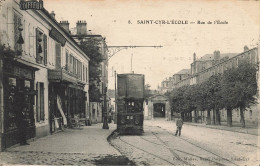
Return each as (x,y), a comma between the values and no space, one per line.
(33,4)
(56,35)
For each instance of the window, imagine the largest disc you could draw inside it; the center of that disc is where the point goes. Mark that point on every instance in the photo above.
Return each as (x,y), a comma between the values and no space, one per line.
(74,65)
(58,55)
(45,49)
(17,23)
(40,102)
(41,47)
(86,74)
(83,73)
(80,70)
(38,46)
(67,61)
(71,63)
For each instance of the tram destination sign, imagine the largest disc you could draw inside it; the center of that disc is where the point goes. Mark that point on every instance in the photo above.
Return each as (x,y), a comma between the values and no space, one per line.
(33,4)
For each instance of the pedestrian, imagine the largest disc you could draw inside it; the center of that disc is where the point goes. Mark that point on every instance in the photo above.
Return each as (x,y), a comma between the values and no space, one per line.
(179,124)
(22,123)
(22,127)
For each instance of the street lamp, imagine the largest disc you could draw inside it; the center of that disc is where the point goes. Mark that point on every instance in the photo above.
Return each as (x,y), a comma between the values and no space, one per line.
(105,124)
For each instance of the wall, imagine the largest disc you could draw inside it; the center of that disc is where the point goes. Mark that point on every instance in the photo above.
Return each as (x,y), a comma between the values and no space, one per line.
(96,115)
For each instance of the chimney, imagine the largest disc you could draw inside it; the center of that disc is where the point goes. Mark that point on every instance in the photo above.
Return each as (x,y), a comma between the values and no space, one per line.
(216,55)
(65,25)
(246,48)
(52,14)
(81,28)
(194,57)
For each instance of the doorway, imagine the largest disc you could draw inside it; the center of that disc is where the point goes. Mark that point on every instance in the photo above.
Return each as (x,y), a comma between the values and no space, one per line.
(159,110)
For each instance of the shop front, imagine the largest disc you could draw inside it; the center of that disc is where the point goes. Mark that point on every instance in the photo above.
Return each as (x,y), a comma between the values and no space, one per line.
(67,99)
(19,101)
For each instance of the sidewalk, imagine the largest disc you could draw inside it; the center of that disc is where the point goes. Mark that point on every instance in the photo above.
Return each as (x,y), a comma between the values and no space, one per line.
(81,146)
(250,129)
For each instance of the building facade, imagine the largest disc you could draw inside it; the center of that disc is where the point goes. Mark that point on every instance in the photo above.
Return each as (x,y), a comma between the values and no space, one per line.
(210,64)
(97,108)
(37,85)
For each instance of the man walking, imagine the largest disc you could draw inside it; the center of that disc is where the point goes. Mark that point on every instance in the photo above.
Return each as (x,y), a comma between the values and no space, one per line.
(179,124)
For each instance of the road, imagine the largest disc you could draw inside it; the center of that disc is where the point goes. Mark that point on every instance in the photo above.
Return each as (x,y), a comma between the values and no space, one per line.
(196,146)
(84,146)
(157,146)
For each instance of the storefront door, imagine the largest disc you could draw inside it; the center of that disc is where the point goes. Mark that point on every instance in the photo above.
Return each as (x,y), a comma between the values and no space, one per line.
(19,117)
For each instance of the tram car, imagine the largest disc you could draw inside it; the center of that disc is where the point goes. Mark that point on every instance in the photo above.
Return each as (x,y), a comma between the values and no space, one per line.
(130,98)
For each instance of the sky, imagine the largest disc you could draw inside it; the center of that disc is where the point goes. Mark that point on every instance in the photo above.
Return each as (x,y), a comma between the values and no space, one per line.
(122,23)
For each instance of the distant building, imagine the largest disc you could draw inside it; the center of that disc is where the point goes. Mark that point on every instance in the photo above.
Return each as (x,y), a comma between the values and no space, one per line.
(80,33)
(210,64)
(166,85)
(181,76)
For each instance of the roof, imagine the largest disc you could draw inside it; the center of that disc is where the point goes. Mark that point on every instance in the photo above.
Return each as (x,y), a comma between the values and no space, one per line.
(62,29)
(158,95)
(184,71)
(211,56)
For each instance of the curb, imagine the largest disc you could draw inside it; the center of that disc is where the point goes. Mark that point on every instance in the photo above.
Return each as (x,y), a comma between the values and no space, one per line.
(111,136)
(221,129)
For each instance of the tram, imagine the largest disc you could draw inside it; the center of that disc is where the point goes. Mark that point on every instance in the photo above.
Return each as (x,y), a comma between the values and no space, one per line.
(130,99)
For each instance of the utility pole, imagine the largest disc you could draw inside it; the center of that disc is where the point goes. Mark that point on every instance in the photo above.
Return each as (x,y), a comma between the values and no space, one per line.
(131,63)
(105,124)
(115,120)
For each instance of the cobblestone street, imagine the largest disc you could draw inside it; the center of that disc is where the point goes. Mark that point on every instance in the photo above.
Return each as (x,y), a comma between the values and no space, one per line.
(157,146)
(85,146)
(196,146)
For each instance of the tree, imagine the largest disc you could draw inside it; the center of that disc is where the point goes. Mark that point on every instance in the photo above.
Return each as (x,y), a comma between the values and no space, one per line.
(200,97)
(91,48)
(214,98)
(240,88)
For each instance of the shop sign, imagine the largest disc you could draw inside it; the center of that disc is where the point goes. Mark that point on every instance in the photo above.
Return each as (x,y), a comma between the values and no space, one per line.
(33,4)
(12,81)
(56,35)
(18,71)
(27,84)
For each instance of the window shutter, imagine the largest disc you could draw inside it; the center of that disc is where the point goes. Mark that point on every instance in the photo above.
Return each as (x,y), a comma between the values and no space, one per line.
(74,66)
(37,102)
(58,55)
(83,73)
(45,49)
(42,100)
(78,69)
(71,64)
(38,57)
(17,23)
(67,61)
(86,74)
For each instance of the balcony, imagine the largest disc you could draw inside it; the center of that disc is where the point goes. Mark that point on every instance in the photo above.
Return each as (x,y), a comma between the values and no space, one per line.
(61,75)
